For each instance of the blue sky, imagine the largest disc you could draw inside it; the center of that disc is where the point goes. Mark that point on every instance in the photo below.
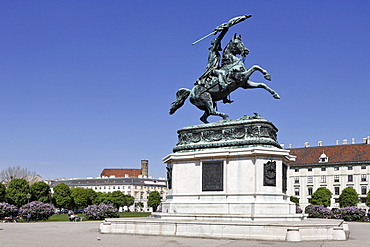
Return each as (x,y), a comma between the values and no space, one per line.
(87,85)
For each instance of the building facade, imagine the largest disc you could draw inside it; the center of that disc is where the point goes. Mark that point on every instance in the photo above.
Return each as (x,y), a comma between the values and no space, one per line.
(333,167)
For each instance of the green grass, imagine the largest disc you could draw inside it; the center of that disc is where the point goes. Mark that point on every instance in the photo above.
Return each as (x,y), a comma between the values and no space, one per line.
(133,214)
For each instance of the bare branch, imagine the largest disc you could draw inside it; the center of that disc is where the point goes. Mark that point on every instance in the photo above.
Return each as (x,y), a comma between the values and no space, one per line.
(17,172)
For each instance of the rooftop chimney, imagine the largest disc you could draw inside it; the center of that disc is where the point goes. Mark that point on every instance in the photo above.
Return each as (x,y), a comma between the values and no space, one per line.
(306,145)
(345,141)
(319,143)
(336,142)
(353,140)
(144,168)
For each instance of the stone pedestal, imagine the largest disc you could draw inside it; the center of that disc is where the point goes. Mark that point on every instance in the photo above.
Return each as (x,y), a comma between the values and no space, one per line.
(232,170)
(235,184)
(228,180)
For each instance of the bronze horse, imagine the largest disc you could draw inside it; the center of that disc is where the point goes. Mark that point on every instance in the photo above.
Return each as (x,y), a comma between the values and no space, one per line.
(205,94)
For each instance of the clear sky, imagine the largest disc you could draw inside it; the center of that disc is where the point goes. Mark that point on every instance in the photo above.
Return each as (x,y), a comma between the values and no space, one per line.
(87,85)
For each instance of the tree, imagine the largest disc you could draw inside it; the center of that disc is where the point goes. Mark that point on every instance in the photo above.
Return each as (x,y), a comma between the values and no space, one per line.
(13,172)
(368,199)
(62,196)
(118,199)
(92,196)
(105,198)
(348,197)
(154,200)
(321,196)
(17,191)
(129,200)
(80,197)
(40,191)
(295,200)
(2,192)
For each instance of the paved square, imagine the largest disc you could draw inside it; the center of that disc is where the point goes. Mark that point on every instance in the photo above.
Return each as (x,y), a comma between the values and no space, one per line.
(86,234)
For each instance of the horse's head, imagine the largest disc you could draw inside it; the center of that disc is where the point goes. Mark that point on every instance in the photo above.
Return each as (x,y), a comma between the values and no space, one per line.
(236,46)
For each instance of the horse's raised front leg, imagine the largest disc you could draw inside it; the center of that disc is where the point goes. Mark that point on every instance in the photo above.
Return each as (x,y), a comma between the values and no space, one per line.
(265,73)
(251,84)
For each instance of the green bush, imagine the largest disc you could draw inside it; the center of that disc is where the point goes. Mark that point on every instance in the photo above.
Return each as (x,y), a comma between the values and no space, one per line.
(7,210)
(348,197)
(37,210)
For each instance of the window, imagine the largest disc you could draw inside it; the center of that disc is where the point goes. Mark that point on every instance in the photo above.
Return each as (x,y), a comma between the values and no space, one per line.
(296,170)
(323,169)
(296,180)
(336,190)
(336,179)
(363,200)
(350,168)
(363,177)
(336,168)
(310,191)
(350,178)
(323,179)
(363,190)
(296,191)
(310,169)
(309,179)
(363,167)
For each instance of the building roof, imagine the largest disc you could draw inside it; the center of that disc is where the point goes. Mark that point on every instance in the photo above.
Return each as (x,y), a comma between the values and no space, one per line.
(339,154)
(120,173)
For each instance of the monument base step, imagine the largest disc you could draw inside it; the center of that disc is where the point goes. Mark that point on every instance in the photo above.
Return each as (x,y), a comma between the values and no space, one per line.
(305,230)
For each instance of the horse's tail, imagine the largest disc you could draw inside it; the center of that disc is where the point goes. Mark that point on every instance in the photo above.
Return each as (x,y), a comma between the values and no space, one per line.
(181,95)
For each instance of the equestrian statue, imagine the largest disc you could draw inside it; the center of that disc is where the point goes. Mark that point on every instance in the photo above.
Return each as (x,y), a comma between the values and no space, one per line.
(222,75)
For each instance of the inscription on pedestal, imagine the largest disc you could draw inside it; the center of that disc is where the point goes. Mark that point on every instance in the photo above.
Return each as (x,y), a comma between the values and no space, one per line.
(269,178)
(212,176)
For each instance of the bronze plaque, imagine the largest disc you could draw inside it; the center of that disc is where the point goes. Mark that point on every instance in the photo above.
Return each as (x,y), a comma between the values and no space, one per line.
(212,176)
(269,178)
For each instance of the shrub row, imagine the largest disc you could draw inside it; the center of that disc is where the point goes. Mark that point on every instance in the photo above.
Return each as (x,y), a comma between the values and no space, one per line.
(33,211)
(42,211)
(350,213)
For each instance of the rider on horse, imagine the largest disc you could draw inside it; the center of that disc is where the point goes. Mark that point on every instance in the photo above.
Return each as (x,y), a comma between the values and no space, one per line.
(213,66)
(213,71)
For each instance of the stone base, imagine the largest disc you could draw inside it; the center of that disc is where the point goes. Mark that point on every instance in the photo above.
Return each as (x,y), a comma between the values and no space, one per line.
(241,184)
(308,230)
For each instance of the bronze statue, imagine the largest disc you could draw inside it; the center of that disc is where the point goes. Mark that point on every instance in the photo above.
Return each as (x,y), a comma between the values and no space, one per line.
(219,80)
